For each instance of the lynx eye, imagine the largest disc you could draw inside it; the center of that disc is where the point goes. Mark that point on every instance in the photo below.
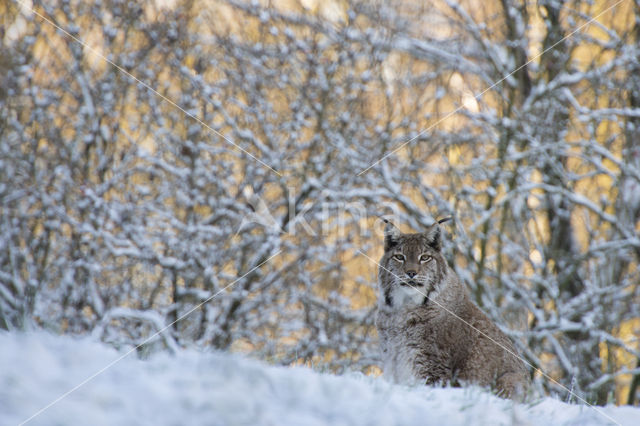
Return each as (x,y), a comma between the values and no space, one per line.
(399,257)
(425,258)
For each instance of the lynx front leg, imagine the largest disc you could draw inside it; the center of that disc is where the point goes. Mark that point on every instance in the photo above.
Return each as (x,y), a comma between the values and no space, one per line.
(511,385)
(433,370)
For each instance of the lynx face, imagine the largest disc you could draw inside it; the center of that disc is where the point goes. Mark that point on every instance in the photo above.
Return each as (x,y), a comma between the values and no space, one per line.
(412,266)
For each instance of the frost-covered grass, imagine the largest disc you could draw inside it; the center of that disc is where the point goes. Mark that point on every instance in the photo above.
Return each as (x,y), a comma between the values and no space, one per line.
(223,389)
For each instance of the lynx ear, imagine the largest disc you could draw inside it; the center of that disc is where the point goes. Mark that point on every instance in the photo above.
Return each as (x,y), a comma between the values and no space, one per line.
(446,219)
(391,235)
(434,236)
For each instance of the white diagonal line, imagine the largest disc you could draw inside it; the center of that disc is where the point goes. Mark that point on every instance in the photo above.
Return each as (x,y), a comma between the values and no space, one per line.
(142,83)
(478,96)
(120,358)
(494,341)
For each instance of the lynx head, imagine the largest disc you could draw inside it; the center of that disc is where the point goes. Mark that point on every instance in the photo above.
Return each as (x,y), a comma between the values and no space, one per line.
(412,266)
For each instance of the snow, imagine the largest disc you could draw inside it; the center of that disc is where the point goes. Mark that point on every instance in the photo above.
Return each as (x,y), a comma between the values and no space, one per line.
(194,388)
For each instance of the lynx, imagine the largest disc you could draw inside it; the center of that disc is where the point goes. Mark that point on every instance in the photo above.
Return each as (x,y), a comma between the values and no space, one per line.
(430,330)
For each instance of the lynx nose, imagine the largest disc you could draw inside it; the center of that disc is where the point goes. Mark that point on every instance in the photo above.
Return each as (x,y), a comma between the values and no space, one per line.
(411,274)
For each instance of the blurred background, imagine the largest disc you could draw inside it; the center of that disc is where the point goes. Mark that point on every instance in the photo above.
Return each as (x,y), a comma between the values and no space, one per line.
(123,208)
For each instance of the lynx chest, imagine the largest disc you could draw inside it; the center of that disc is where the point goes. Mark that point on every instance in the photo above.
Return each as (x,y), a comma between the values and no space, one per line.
(402,340)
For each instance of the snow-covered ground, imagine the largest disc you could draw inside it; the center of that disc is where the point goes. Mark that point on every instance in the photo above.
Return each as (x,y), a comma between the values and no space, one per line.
(193,388)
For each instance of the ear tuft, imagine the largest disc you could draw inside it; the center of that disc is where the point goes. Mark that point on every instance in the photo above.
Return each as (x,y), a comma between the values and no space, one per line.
(391,235)
(444,220)
(434,236)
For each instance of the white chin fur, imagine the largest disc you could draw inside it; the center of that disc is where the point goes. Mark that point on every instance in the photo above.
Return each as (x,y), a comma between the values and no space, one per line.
(405,295)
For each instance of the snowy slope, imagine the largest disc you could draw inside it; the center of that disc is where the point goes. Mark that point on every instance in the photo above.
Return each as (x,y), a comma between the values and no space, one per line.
(193,388)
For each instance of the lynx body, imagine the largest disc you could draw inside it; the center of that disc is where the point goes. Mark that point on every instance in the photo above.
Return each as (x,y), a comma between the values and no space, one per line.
(430,331)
